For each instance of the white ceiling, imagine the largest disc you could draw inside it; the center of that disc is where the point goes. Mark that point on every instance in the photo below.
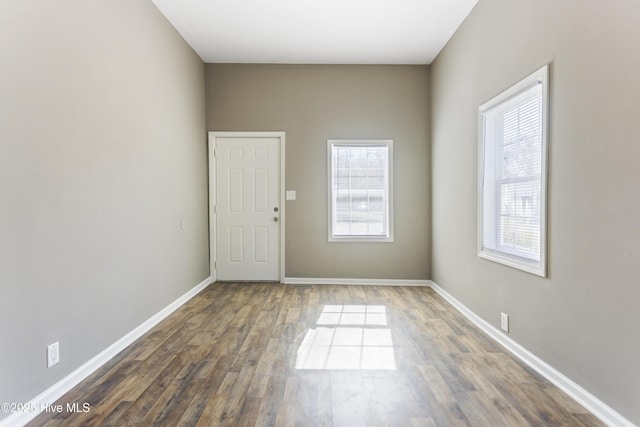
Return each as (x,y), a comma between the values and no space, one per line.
(316,31)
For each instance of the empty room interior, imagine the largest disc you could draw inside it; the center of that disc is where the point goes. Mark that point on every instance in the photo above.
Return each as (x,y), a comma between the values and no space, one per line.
(413,213)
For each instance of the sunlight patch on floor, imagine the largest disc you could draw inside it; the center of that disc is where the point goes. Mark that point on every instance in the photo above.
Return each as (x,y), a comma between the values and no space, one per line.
(348,337)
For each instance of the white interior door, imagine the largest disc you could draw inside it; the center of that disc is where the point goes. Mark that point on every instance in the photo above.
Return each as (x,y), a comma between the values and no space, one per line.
(248,207)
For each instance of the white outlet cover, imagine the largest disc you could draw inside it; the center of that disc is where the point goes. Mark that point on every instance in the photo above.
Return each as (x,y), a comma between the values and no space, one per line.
(290,195)
(504,321)
(53,354)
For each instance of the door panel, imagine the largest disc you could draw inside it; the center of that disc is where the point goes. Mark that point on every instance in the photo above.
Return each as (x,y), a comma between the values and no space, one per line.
(248,208)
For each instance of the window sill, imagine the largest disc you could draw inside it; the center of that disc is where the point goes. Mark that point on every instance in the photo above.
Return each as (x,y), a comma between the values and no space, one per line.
(360,239)
(532,267)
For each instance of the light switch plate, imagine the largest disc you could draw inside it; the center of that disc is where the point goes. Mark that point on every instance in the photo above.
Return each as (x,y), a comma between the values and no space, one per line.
(290,195)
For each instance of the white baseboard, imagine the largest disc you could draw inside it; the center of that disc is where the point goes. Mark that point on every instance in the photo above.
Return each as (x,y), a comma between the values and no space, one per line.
(57,390)
(366,282)
(579,394)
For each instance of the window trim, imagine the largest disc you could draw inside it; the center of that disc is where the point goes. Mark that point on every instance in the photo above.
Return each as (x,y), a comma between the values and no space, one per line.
(360,142)
(498,102)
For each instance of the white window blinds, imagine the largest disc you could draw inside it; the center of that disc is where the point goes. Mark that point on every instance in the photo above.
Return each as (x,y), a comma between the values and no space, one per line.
(513,168)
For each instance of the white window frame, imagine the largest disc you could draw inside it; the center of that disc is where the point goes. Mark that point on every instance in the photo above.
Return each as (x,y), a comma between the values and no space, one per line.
(502,254)
(388,237)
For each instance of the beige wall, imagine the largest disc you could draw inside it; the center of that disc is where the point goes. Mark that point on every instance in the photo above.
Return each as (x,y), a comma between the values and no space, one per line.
(102,155)
(313,103)
(584,318)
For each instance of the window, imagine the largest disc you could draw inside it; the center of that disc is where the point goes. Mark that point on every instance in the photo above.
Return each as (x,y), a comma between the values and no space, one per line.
(512,155)
(360,190)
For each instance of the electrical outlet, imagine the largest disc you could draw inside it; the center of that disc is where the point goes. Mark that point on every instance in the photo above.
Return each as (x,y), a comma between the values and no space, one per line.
(53,354)
(504,321)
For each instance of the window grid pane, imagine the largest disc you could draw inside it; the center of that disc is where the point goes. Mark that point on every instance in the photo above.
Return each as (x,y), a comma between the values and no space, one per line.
(360,190)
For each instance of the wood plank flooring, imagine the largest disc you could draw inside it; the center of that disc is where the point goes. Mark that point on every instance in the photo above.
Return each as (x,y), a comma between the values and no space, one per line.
(264,354)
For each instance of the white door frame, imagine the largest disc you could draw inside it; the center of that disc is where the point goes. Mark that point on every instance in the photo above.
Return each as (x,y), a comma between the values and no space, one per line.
(212,192)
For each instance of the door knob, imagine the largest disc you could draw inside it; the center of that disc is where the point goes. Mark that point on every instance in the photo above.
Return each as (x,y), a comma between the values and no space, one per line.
(275,218)
(275,209)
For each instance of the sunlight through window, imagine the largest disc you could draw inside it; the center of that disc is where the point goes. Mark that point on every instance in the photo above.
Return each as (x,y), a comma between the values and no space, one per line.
(356,340)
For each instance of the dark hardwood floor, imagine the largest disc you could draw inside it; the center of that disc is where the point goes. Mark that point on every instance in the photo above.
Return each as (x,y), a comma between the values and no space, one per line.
(272,355)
